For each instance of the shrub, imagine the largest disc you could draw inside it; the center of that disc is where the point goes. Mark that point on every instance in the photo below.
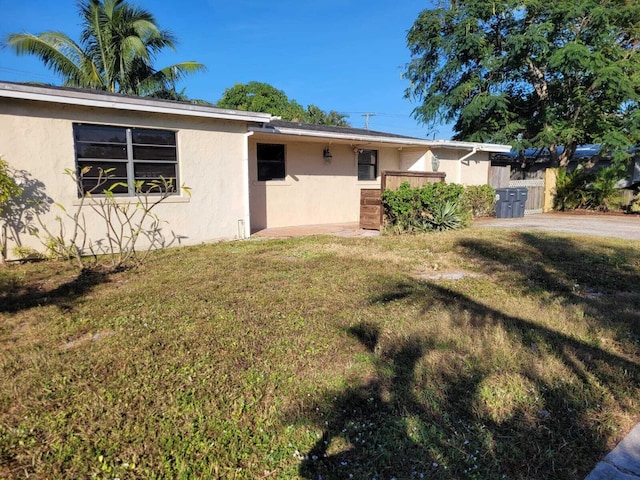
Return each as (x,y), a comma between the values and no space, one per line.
(634,206)
(587,188)
(8,189)
(480,199)
(126,221)
(436,206)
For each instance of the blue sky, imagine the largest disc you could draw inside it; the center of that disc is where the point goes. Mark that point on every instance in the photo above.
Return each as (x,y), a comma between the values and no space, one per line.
(344,55)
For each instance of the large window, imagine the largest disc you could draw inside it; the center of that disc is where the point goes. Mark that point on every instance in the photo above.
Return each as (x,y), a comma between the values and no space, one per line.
(130,156)
(270,162)
(367,164)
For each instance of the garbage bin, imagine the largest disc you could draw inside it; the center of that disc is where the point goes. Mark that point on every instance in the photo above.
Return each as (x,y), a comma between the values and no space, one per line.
(517,209)
(504,202)
(521,197)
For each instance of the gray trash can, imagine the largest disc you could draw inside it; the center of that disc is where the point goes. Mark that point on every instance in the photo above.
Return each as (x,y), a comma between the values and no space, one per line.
(504,202)
(510,202)
(518,209)
(521,195)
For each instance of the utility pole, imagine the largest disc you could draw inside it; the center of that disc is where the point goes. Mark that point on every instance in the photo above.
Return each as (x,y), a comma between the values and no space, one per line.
(366,116)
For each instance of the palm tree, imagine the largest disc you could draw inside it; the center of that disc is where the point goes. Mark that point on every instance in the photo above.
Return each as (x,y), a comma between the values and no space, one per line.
(117,48)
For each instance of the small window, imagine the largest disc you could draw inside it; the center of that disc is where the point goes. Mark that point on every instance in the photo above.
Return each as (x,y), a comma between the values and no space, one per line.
(367,164)
(128,155)
(270,162)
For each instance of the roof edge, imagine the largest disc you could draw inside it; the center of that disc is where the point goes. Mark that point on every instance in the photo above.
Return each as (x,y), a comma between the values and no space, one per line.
(381,138)
(100,99)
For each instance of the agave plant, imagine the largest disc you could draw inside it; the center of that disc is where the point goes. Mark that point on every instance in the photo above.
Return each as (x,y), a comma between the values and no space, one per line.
(446,216)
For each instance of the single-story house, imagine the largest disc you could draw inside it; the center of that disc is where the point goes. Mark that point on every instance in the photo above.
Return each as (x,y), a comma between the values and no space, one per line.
(247,171)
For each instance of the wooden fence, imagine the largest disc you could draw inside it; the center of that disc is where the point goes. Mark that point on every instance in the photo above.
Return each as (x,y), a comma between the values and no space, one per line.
(391,179)
(371,211)
(540,186)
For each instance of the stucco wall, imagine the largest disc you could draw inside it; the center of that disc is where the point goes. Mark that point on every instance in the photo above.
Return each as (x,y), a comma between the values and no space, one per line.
(472,171)
(37,139)
(314,191)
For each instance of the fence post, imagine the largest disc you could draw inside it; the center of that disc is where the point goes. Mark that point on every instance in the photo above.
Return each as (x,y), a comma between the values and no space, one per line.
(550,176)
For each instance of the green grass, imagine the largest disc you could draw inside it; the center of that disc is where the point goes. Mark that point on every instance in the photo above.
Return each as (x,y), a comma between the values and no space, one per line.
(325,357)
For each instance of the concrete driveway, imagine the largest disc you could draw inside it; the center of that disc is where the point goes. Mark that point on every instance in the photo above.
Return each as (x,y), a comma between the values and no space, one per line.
(615,226)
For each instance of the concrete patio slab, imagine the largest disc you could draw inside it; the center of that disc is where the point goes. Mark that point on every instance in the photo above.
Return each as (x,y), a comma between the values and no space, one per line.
(339,229)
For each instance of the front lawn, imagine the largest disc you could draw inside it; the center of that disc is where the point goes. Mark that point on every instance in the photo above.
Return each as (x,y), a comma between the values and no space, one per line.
(472,354)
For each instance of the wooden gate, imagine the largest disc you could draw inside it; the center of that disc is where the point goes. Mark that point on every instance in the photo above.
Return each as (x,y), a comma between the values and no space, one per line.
(371,208)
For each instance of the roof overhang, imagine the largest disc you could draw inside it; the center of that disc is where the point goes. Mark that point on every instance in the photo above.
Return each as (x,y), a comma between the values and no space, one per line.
(86,98)
(374,139)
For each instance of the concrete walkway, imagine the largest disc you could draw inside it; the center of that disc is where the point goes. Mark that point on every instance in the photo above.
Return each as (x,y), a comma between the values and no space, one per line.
(623,462)
(613,226)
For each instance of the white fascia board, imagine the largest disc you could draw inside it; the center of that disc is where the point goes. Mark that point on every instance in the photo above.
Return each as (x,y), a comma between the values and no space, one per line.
(88,99)
(480,147)
(400,141)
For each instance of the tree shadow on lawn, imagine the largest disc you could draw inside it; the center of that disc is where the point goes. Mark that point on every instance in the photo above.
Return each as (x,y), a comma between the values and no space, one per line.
(603,280)
(63,296)
(436,409)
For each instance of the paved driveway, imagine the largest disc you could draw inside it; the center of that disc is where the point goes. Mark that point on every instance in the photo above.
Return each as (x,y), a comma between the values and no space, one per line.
(616,226)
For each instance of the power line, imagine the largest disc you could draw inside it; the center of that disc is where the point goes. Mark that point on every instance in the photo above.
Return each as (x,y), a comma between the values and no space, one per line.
(13,70)
(366,116)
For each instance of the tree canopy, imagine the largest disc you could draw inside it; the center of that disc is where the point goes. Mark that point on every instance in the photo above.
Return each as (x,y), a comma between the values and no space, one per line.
(530,72)
(262,97)
(117,49)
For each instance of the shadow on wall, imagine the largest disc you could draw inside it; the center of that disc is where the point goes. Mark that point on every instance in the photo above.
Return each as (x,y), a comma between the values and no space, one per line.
(19,214)
(444,403)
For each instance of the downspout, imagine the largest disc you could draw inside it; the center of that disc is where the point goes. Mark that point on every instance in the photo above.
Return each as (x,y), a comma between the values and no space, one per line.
(246,192)
(460,160)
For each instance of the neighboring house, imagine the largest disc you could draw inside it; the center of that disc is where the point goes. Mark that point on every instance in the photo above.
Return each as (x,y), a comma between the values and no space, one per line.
(246,171)
(532,163)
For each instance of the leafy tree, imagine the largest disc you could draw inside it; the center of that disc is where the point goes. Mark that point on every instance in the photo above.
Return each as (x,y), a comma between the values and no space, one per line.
(118,45)
(262,97)
(530,72)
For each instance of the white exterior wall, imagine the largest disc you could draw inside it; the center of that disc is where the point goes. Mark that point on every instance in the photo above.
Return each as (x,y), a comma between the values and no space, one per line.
(314,191)
(474,170)
(37,138)
(415,160)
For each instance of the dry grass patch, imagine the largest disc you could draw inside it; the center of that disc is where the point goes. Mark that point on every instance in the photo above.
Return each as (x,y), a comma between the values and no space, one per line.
(324,356)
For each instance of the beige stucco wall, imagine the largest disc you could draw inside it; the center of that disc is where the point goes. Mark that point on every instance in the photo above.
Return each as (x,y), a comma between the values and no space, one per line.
(314,191)
(37,138)
(474,170)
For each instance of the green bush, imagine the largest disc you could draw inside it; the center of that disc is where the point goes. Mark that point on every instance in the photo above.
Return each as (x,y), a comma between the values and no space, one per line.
(586,188)
(436,206)
(480,199)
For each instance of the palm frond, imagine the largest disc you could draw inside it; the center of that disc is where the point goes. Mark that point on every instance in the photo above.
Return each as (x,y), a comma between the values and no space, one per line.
(178,71)
(117,48)
(56,50)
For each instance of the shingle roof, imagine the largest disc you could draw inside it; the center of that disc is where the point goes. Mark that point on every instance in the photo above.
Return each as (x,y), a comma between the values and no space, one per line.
(334,129)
